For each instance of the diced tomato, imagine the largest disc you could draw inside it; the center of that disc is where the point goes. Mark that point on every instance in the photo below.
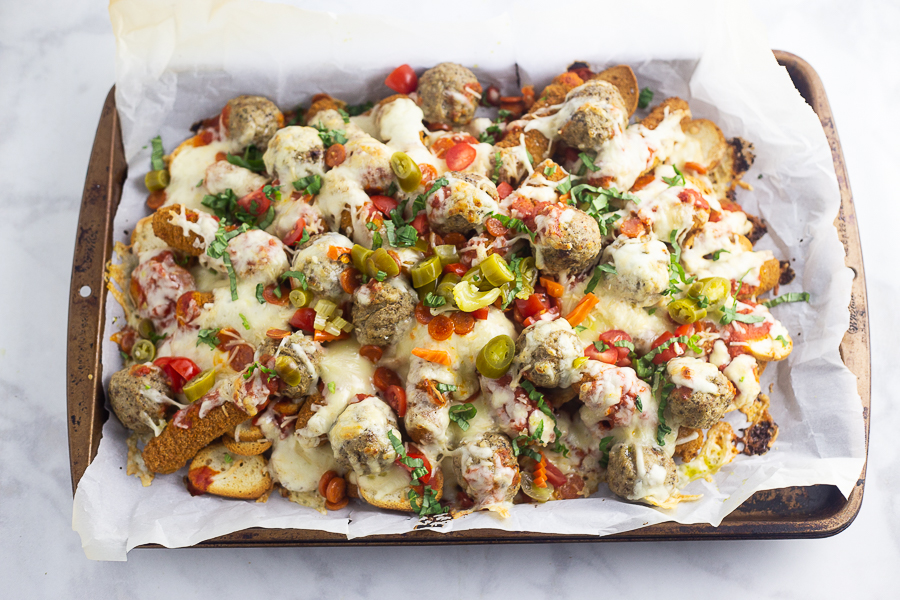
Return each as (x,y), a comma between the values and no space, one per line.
(460,156)
(395,396)
(255,203)
(674,349)
(420,224)
(402,80)
(429,174)
(534,305)
(178,369)
(608,356)
(481,314)
(385,204)
(504,190)
(458,268)
(554,475)
(304,319)
(296,233)
(617,335)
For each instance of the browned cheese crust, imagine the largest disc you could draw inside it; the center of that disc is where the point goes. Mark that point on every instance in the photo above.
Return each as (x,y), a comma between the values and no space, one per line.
(175,446)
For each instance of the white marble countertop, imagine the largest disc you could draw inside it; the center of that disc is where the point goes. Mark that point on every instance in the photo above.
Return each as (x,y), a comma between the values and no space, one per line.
(56,67)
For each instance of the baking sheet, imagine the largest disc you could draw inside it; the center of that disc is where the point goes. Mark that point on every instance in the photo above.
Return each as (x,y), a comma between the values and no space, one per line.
(173,68)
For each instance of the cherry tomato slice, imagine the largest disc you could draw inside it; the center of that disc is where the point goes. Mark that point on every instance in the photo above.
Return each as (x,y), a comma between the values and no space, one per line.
(178,369)
(413,451)
(504,190)
(669,353)
(402,80)
(296,233)
(535,304)
(304,319)
(255,203)
(608,356)
(460,156)
(458,268)
(420,224)
(481,314)
(554,475)
(395,396)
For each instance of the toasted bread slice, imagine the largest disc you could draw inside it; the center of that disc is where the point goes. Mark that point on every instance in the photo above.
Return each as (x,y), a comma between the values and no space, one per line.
(144,239)
(217,470)
(658,113)
(253,448)
(737,160)
(390,489)
(713,144)
(623,78)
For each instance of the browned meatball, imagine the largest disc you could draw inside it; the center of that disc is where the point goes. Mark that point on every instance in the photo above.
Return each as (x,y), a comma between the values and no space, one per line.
(253,120)
(566,239)
(463,204)
(601,113)
(545,352)
(305,355)
(695,408)
(359,437)
(137,395)
(655,476)
(487,470)
(383,311)
(323,274)
(449,94)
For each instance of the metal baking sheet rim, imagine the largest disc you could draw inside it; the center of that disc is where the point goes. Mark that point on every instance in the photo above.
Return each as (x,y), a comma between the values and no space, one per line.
(796,512)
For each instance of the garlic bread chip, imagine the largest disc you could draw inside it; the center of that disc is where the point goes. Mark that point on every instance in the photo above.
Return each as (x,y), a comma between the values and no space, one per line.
(390,489)
(217,470)
(246,448)
(623,78)
(713,144)
(659,112)
(736,161)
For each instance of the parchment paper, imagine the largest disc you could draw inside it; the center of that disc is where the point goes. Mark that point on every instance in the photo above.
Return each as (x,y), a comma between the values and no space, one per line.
(180,62)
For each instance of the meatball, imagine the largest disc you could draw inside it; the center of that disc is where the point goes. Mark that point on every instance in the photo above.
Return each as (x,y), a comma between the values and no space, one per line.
(293,153)
(305,355)
(545,352)
(156,285)
(323,274)
(383,311)
(449,94)
(463,204)
(360,439)
(642,270)
(487,470)
(633,479)
(258,256)
(702,396)
(222,176)
(138,395)
(566,239)
(599,115)
(253,120)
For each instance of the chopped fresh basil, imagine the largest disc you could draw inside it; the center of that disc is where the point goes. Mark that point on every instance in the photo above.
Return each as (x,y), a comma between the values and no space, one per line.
(789,297)
(719,252)
(244,321)
(156,155)
(675,180)
(311,184)
(208,337)
(355,110)
(344,115)
(461,414)
(645,98)
(599,270)
(433,300)
(252,159)
(588,162)
(259,293)
(299,276)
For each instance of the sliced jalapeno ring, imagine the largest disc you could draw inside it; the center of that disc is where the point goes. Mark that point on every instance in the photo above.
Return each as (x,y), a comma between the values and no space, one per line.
(300,298)
(686,311)
(428,288)
(469,298)
(358,255)
(156,180)
(200,385)
(447,253)
(445,287)
(496,271)
(714,289)
(146,329)
(380,260)
(495,357)
(143,351)
(288,370)
(426,272)
(407,171)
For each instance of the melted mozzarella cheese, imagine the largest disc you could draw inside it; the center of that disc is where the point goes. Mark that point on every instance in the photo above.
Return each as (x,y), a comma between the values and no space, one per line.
(298,467)
(742,373)
(187,171)
(400,126)
(693,373)
(351,374)
(222,176)
(225,312)
(289,156)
